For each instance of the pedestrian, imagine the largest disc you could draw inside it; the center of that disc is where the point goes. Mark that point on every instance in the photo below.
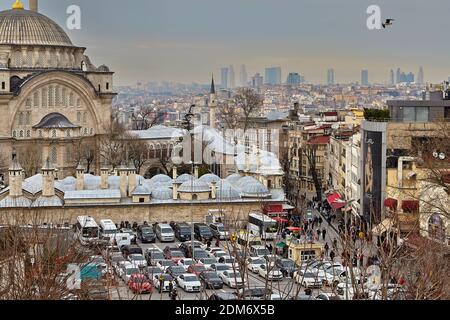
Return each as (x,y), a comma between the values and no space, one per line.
(332,254)
(217,243)
(361,259)
(170,288)
(326,247)
(174,295)
(320,221)
(324,232)
(318,234)
(335,243)
(208,243)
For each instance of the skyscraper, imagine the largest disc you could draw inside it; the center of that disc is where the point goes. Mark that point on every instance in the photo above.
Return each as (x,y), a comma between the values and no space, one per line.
(399,76)
(231,78)
(273,76)
(224,72)
(243,76)
(365,77)
(294,78)
(330,76)
(257,81)
(420,77)
(392,77)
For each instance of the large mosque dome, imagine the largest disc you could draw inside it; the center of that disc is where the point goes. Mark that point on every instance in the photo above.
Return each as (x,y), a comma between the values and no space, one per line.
(25,27)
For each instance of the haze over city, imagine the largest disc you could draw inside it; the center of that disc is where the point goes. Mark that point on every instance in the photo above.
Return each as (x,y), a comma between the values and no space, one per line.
(186,41)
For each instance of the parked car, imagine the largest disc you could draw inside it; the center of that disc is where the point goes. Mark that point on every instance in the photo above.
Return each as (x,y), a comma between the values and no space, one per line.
(140,283)
(153,270)
(175,271)
(153,257)
(270,272)
(138,260)
(222,296)
(131,249)
(130,232)
(212,250)
(219,268)
(259,251)
(207,262)
(229,261)
(308,279)
(232,279)
(255,293)
(219,232)
(219,254)
(327,296)
(162,282)
(127,271)
(186,262)
(211,280)
(146,234)
(189,282)
(199,254)
(183,231)
(202,232)
(174,255)
(185,247)
(253,263)
(164,264)
(287,266)
(196,269)
(165,233)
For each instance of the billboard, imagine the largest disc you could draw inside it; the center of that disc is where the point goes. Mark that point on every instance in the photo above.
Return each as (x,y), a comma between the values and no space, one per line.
(372,176)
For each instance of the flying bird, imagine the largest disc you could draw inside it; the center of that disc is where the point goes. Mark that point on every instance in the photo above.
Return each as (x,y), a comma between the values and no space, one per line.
(388,22)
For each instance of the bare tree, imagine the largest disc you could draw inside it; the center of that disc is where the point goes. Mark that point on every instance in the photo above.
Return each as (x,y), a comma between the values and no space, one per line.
(85,152)
(248,101)
(30,157)
(146,118)
(230,115)
(112,144)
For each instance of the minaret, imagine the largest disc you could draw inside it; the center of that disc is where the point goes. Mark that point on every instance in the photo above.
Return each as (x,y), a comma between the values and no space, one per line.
(212,104)
(15,178)
(33,5)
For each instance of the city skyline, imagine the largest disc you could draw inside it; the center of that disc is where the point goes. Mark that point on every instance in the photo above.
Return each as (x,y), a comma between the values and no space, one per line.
(186,42)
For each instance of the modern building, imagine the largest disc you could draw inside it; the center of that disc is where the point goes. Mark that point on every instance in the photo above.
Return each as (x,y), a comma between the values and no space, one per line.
(294,78)
(365,77)
(392,77)
(257,81)
(243,76)
(330,76)
(52,96)
(231,78)
(420,76)
(273,76)
(225,77)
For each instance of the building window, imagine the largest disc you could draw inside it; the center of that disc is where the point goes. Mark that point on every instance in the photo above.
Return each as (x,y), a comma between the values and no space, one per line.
(51,96)
(20,119)
(78,117)
(141,200)
(21,134)
(36,99)
(53,133)
(64,98)
(3,85)
(107,86)
(29,59)
(44,97)
(68,133)
(92,131)
(28,134)
(422,114)
(14,134)
(40,133)
(85,118)
(85,131)
(28,118)
(57,96)
(54,155)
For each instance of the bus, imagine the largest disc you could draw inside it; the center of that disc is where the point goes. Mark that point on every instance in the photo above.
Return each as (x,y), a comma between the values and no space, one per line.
(87,230)
(262,226)
(108,230)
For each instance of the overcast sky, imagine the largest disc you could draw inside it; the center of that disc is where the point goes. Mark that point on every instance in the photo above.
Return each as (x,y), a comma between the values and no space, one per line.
(187,40)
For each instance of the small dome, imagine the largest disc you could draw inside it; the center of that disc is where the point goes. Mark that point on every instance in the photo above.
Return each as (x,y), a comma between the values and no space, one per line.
(55,121)
(103,68)
(226,191)
(194,186)
(233,178)
(69,181)
(162,193)
(255,190)
(246,180)
(91,182)
(114,182)
(141,191)
(184,177)
(161,178)
(209,178)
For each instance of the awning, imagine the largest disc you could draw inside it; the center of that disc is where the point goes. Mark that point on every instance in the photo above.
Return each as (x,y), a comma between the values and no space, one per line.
(410,205)
(337,205)
(333,197)
(294,229)
(383,227)
(278,219)
(287,207)
(391,203)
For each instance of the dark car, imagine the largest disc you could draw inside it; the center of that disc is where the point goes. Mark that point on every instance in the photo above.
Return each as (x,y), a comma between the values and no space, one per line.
(153,257)
(199,254)
(182,231)
(175,271)
(202,232)
(186,247)
(210,280)
(258,293)
(223,296)
(286,266)
(132,249)
(146,234)
(173,253)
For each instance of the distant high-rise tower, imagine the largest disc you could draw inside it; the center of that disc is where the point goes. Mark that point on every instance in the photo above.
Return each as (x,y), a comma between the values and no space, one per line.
(231,78)
(365,77)
(273,76)
(257,81)
(243,76)
(392,77)
(212,105)
(420,76)
(399,76)
(294,78)
(224,72)
(330,76)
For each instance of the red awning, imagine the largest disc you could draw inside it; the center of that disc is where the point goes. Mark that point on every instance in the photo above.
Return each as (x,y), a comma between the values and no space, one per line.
(294,229)
(337,205)
(391,203)
(410,205)
(278,219)
(272,208)
(333,197)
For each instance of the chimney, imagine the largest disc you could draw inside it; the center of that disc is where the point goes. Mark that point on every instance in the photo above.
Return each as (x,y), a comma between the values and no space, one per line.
(175,190)
(104,173)
(123,173)
(196,172)
(33,5)
(213,190)
(15,178)
(131,178)
(80,177)
(48,175)
(174,173)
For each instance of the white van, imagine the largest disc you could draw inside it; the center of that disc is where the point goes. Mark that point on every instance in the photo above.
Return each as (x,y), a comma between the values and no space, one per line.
(108,229)
(122,239)
(165,233)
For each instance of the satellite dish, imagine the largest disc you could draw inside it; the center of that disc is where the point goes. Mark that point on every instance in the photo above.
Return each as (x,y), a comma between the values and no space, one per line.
(435,154)
(442,156)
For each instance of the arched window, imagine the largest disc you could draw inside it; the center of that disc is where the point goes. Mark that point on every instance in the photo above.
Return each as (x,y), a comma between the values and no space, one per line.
(36,99)
(54,155)
(64,97)
(40,133)
(53,133)
(28,103)
(78,117)
(28,134)
(51,96)
(29,59)
(21,134)
(71,99)
(28,118)
(17,59)
(436,227)
(85,131)
(194,196)
(78,102)
(85,118)
(20,118)
(44,97)
(68,154)
(68,133)
(14,134)
(57,96)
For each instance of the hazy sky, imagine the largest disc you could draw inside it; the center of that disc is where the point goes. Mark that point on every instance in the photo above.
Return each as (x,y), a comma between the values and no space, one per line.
(187,40)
